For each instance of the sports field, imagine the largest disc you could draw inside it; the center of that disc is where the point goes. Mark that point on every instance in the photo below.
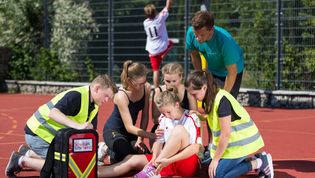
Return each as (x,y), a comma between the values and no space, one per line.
(289,134)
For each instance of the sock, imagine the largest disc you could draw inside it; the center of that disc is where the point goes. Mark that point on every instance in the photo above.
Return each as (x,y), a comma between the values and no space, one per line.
(27,154)
(21,159)
(259,163)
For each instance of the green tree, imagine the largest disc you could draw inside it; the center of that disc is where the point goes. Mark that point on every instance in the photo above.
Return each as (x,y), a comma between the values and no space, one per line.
(21,30)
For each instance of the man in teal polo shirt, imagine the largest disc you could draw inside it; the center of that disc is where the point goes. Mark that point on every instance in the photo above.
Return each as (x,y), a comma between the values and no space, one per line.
(223,55)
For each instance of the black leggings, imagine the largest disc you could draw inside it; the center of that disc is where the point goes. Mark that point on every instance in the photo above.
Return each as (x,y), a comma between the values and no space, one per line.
(119,145)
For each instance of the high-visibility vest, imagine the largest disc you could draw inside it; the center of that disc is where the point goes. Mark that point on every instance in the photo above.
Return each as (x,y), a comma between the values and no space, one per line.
(46,128)
(245,138)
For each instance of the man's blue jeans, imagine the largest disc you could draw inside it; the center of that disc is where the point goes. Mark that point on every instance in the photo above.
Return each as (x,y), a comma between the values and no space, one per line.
(232,168)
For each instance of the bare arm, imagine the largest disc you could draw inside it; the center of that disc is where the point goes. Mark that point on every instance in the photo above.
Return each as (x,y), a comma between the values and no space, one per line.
(56,115)
(195,59)
(122,102)
(145,111)
(168,4)
(231,77)
(225,124)
(192,102)
(155,112)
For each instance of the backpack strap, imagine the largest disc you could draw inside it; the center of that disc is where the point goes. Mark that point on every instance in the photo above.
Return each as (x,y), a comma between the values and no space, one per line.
(48,168)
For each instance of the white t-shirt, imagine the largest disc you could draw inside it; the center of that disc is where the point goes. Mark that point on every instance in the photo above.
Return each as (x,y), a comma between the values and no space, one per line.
(157,38)
(190,122)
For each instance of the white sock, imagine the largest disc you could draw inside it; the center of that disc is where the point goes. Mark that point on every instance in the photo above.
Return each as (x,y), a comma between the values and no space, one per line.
(259,163)
(21,159)
(27,154)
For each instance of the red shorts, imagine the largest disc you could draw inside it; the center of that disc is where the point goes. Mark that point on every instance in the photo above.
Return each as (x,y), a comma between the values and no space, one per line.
(186,168)
(157,59)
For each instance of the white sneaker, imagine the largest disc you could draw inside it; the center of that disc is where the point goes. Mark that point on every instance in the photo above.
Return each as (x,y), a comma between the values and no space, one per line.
(101,152)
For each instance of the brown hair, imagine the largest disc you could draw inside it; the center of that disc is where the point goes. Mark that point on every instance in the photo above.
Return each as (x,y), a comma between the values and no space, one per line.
(202,19)
(199,78)
(169,96)
(150,11)
(132,70)
(173,68)
(105,81)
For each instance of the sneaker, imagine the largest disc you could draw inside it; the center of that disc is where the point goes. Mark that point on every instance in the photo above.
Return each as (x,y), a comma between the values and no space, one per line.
(102,153)
(260,173)
(13,165)
(23,149)
(147,172)
(266,168)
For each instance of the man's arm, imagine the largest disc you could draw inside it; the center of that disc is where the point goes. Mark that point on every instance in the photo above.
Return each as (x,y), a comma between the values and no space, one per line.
(195,59)
(56,115)
(230,78)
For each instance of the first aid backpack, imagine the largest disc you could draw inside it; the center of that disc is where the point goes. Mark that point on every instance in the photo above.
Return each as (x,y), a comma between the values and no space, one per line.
(74,154)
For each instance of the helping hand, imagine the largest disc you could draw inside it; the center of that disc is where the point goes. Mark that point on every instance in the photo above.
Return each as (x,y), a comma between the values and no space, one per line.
(161,163)
(212,168)
(140,146)
(86,125)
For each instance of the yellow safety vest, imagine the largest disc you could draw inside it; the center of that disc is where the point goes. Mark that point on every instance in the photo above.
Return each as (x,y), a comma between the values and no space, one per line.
(245,138)
(46,128)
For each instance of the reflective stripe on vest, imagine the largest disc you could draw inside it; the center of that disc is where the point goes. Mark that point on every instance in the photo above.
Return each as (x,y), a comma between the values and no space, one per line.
(42,121)
(244,138)
(241,142)
(235,128)
(46,128)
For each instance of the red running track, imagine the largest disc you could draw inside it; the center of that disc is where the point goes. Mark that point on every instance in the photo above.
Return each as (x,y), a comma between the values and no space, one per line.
(289,134)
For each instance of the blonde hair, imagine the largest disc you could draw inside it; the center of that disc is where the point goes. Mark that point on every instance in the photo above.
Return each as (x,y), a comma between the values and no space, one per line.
(150,11)
(132,70)
(173,68)
(105,82)
(167,97)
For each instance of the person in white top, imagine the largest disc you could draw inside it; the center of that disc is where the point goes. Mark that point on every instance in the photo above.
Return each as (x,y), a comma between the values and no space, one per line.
(158,44)
(174,153)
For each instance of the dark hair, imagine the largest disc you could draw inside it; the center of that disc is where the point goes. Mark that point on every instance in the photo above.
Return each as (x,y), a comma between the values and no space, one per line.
(196,80)
(132,70)
(202,19)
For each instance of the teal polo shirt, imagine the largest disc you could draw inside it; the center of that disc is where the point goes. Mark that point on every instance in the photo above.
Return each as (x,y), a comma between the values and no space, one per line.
(220,51)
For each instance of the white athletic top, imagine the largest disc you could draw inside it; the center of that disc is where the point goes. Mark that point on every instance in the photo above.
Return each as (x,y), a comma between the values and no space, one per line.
(157,38)
(190,122)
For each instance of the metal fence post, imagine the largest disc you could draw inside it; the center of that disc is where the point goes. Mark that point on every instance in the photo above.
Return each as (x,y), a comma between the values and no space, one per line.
(110,37)
(187,12)
(279,44)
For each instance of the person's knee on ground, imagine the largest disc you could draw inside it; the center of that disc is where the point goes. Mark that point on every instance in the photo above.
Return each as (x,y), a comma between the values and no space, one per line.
(122,148)
(31,160)
(33,163)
